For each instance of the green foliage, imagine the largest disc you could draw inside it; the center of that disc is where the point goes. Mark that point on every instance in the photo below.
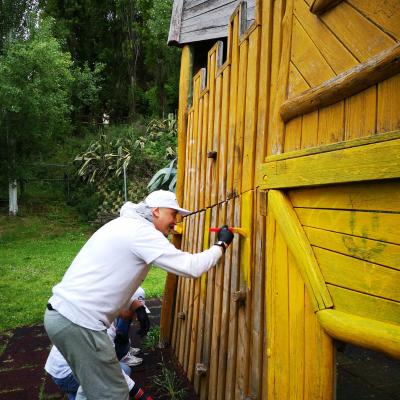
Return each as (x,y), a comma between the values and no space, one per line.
(169,383)
(162,60)
(150,341)
(35,81)
(165,179)
(141,73)
(162,134)
(12,19)
(140,150)
(85,94)
(154,282)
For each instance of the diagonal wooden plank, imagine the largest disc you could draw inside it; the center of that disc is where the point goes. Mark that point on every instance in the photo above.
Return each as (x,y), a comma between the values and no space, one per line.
(300,247)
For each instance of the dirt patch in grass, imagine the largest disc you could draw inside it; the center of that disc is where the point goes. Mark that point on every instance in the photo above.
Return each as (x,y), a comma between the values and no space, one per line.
(22,376)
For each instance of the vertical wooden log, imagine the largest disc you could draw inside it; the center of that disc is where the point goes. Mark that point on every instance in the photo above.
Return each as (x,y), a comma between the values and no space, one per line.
(179,297)
(240,117)
(198,380)
(199,154)
(216,139)
(216,327)
(250,131)
(185,296)
(277,125)
(244,311)
(258,292)
(191,167)
(186,188)
(174,340)
(191,306)
(232,337)
(234,61)
(196,300)
(203,158)
(171,280)
(209,315)
(223,145)
(196,142)
(264,83)
(226,304)
(210,129)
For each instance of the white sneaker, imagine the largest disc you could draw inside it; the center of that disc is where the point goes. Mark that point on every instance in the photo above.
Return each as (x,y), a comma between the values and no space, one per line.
(131,360)
(134,351)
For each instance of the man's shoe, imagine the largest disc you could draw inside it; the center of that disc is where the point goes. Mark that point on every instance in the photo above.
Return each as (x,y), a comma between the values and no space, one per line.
(134,351)
(131,360)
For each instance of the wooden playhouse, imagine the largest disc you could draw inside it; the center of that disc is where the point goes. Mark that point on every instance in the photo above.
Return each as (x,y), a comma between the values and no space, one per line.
(289,128)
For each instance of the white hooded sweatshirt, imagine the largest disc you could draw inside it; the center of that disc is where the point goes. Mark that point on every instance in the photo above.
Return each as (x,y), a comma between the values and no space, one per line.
(113,263)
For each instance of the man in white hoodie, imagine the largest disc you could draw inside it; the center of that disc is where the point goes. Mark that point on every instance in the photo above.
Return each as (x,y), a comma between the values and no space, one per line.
(101,280)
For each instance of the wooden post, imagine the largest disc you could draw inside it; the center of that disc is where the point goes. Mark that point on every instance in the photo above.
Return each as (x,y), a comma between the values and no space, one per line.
(171,280)
(12,195)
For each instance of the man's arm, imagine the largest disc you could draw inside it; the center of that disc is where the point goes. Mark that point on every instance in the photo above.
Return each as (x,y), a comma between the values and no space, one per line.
(194,265)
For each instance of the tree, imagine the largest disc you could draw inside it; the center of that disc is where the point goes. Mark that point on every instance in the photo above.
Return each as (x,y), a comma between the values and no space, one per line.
(162,61)
(35,83)
(12,18)
(140,75)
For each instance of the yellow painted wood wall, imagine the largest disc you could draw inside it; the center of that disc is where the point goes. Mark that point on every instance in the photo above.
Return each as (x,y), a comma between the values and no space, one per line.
(260,324)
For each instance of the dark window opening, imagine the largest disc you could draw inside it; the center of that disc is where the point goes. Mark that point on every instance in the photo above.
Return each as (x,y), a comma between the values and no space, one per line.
(363,374)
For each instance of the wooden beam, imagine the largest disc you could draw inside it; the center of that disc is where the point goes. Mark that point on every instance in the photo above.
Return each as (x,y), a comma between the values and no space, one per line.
(171,280)
(376,69)
(297,242)
(362,163)
(335,146)
(360,331)
(318,7)
(176,22)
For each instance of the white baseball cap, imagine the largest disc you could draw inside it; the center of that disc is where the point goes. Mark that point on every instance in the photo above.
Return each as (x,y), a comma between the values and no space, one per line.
(165,198)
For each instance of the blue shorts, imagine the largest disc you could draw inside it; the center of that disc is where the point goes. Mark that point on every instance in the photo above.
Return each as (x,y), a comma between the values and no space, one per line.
(68,385)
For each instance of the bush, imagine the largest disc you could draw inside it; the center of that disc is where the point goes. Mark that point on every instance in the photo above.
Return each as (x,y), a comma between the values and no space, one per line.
(139,149)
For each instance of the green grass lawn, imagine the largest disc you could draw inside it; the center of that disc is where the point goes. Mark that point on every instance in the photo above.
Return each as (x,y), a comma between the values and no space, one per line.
(35,251)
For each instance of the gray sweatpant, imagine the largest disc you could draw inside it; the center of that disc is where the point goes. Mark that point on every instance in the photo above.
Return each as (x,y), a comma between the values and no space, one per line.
(91,356)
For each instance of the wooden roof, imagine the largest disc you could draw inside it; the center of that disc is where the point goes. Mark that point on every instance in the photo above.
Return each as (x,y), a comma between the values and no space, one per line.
(197,20)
